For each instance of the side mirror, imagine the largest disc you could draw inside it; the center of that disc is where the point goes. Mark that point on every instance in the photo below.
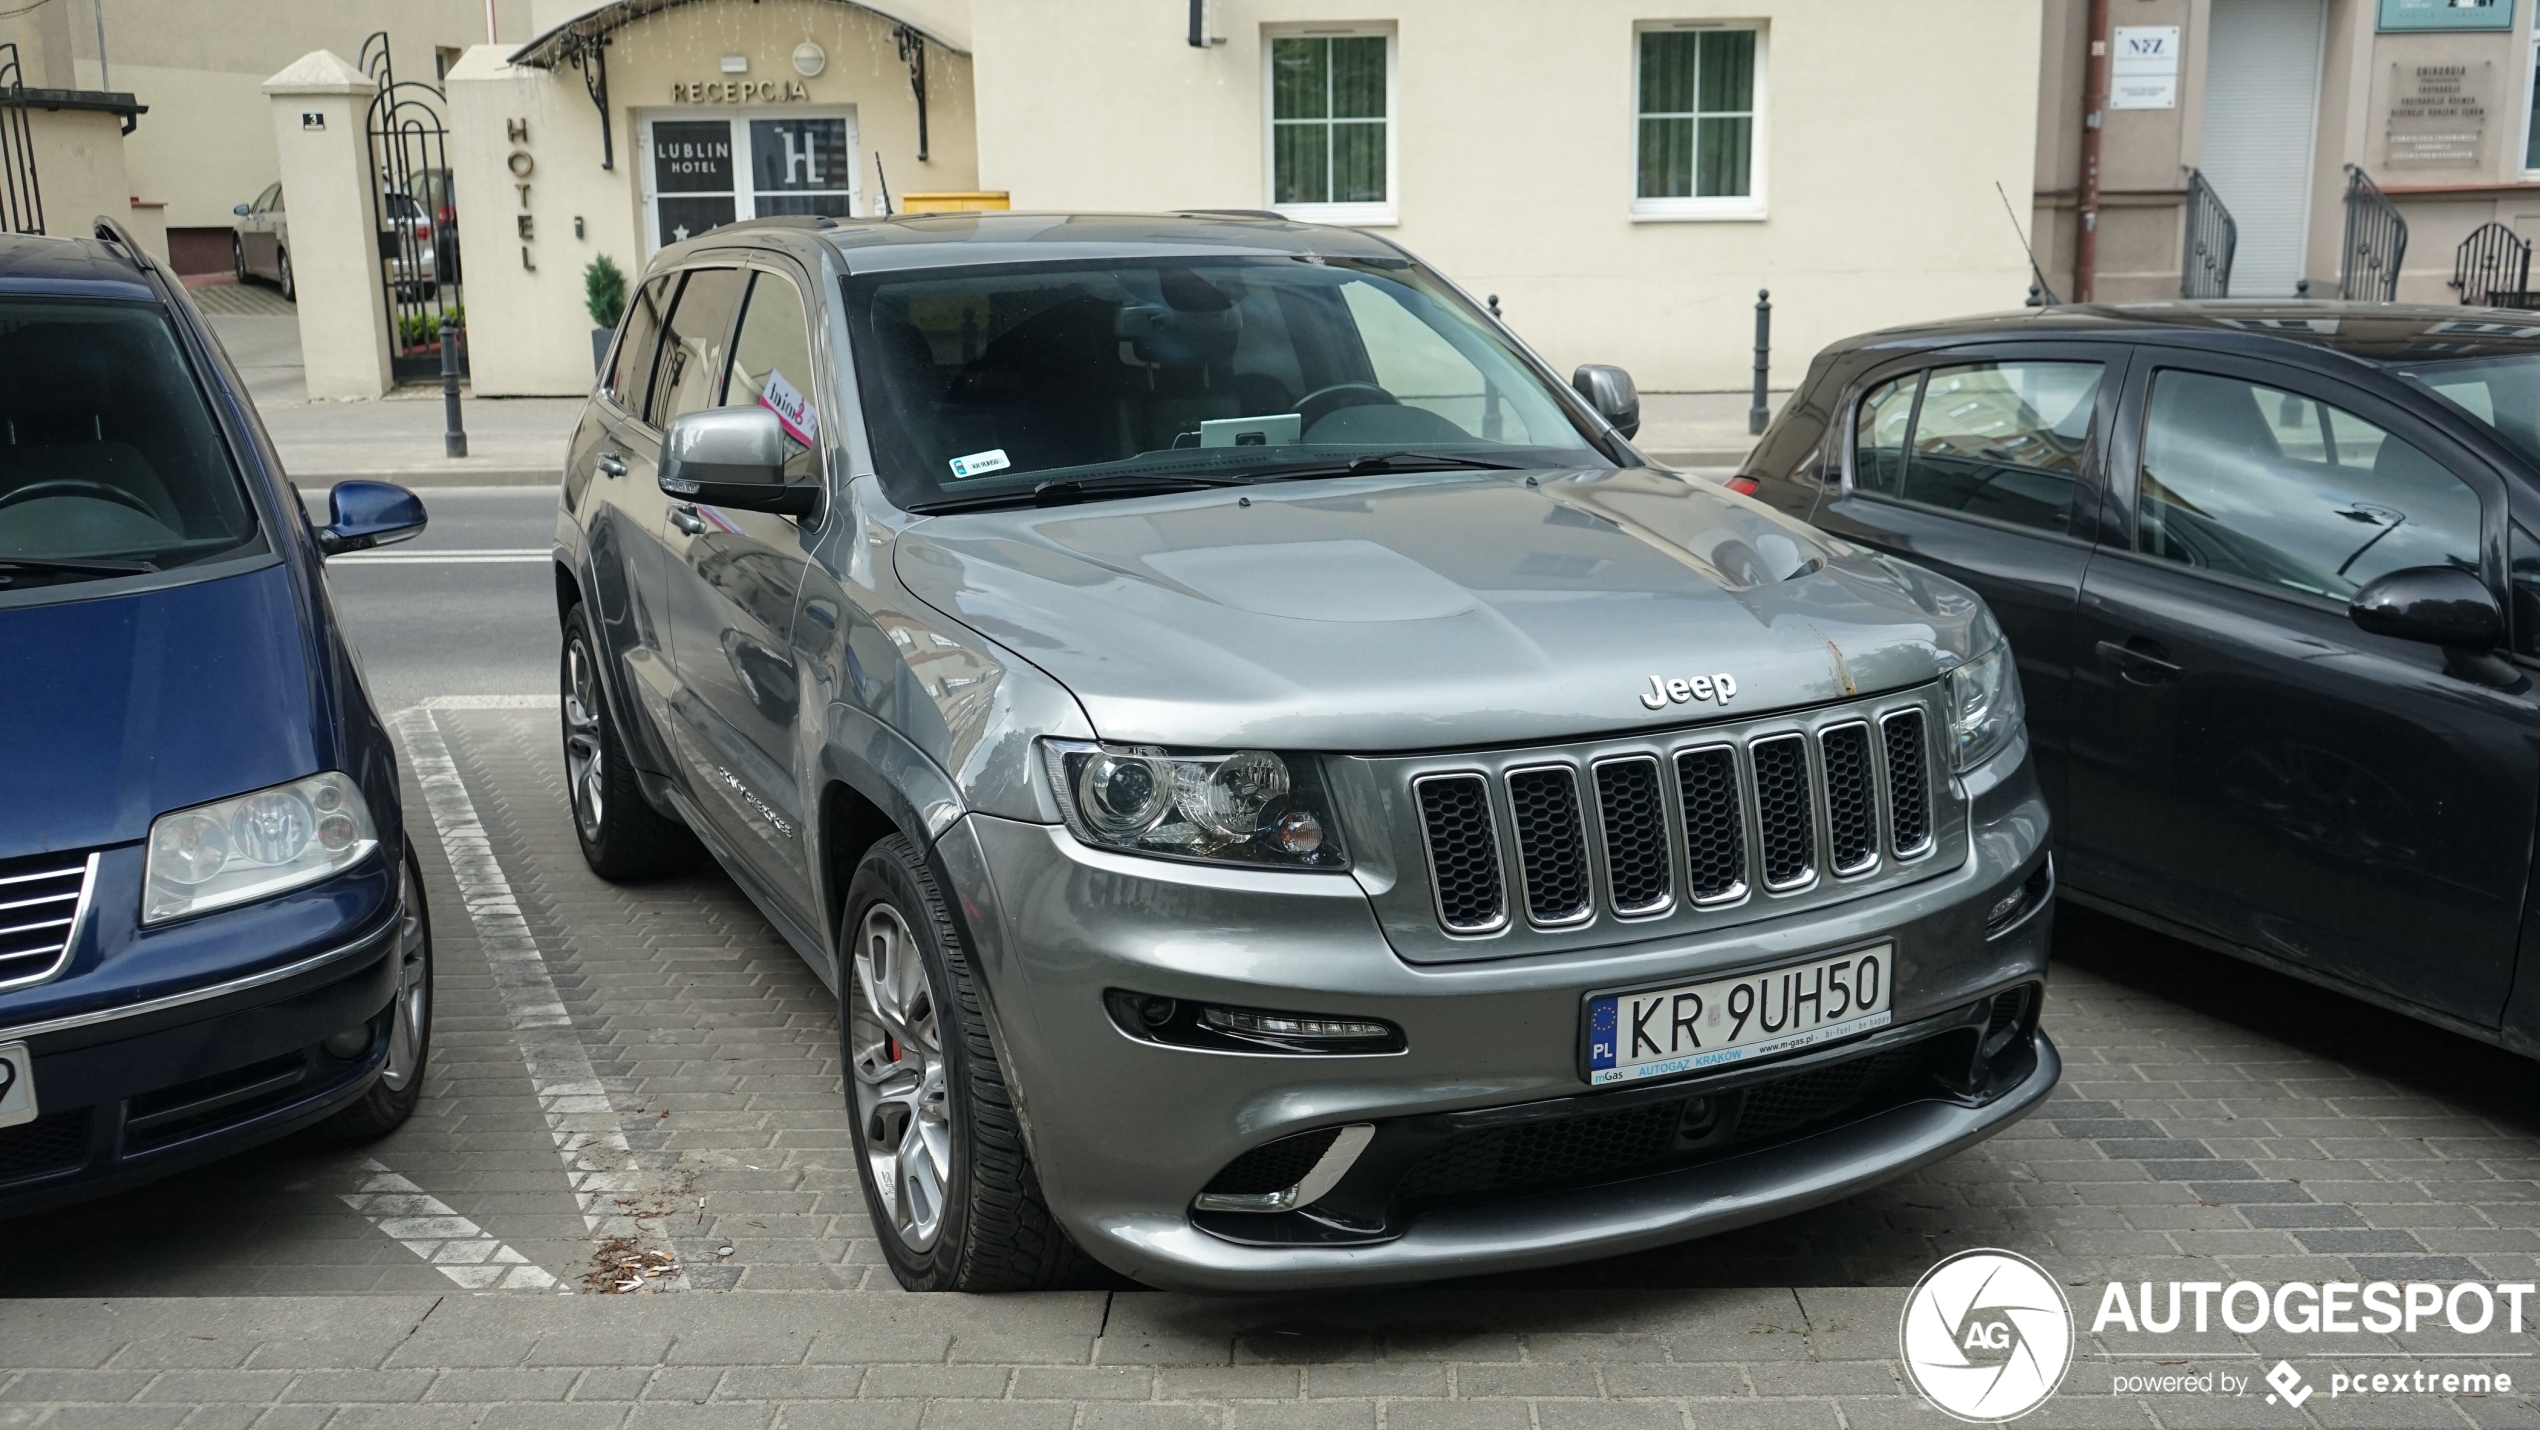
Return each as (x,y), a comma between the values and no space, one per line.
(2439,605)
(1610,391)
(242,210)
(361,515)
(733,457)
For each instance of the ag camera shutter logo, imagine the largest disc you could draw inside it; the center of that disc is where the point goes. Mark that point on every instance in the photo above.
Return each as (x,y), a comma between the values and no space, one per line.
(1986,1336)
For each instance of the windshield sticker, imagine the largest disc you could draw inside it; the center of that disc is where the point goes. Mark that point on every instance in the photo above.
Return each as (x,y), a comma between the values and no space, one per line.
(981,463)
(794,411)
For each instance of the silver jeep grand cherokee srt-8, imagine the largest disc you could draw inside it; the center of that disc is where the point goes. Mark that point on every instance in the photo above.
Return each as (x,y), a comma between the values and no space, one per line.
(1284,795)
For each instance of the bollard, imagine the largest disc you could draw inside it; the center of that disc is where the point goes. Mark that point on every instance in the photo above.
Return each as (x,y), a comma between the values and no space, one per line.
(1761,412)
(453,441)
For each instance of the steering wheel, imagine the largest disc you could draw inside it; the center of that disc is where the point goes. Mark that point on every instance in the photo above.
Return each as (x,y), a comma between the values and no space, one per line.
(77,486)
(1324,401)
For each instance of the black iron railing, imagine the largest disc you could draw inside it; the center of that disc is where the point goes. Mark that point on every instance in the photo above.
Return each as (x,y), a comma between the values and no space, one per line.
(2204,269)
(21,198)
(417,216)
(2376,243)
(2492,267)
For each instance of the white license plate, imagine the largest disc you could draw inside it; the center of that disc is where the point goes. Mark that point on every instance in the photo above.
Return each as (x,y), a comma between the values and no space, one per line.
(1660,1032)
(17,1085)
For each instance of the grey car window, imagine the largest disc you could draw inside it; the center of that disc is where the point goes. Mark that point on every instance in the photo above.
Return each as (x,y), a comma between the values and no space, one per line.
(988,379)
(2526,593)
(771,366)
(1880,428)
(691,372)
(108,452)
(2003,440)
(634,363)
(2282,489)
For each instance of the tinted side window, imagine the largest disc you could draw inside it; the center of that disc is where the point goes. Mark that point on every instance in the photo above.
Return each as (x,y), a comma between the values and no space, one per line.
(771,367)
(642,326)
(2003,440)
(2283,489)
(1879,434)
(691,373)
(2526,594)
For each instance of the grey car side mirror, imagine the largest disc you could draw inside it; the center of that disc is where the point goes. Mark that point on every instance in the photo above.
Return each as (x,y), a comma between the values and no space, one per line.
(733,457)
(242,210)
(1610,391)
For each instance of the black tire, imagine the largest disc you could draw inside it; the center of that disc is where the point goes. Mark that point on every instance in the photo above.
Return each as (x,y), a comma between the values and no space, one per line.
(623,837)
(282,276)
(392,1096)
(993,1232)
(238,258)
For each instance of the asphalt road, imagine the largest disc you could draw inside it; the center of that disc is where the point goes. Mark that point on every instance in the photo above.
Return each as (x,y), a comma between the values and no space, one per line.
(466,609)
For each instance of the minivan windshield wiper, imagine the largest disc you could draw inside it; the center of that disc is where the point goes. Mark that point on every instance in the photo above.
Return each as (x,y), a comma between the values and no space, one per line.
(15,570)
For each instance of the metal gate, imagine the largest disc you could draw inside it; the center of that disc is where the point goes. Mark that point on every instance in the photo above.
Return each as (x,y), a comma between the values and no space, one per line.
(2376,243)
(416,215)
(2212,238)
(21,201)
(2492,268)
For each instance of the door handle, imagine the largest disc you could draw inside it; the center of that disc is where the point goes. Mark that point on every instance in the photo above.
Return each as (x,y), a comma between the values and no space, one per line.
(2139,660)
(684,516)
(612,464)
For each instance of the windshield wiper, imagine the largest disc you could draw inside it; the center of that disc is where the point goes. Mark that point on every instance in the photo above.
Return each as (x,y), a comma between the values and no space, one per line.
(15,568)
(1074,489)
(1384,462)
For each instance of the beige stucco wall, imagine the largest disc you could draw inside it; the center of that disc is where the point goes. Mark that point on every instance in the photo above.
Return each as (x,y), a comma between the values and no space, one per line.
(1886,125)
(79,166)
(528,331)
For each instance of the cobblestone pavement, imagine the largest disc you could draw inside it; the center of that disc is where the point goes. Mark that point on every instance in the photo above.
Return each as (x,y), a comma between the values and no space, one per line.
(2216,1123)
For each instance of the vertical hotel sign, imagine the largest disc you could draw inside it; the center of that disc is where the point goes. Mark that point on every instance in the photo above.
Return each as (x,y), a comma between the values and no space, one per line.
(2447,15)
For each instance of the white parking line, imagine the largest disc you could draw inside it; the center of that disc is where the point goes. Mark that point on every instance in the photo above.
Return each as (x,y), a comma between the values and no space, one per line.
(601,1166)
(456,1247)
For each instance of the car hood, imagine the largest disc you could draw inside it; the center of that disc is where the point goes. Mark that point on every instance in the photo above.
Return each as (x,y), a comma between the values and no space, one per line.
(122,707)
(1421,612)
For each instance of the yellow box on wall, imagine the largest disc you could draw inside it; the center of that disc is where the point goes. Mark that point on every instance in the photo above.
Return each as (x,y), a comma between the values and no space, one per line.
(954,201)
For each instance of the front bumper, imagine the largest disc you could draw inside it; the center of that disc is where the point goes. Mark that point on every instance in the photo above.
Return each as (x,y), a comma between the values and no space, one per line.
(1125,1133)
(131,1095)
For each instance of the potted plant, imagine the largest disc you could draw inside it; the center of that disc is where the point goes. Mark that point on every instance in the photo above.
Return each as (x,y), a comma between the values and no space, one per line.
(604,294)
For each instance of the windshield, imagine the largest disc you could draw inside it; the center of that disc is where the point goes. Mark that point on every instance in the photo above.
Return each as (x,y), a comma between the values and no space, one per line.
(110,464)
(2503,392)
(991,381)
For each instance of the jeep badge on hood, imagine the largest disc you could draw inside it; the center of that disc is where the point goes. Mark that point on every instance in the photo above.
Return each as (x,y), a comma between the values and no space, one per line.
(1662,693)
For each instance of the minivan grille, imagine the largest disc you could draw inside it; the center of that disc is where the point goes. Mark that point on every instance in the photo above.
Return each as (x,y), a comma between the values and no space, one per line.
(1909,803)
(1551,848)
(1779,810)
(1463,852)
(41,898)
(1635,815)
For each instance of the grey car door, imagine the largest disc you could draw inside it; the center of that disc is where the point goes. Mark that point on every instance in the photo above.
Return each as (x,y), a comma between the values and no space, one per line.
(255,233)
(731,581)
(1983,464)
(626,517)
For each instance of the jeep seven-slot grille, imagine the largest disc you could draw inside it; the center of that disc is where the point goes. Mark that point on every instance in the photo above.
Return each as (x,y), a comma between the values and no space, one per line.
(1463,852)
(39,914)
(1551,848)
(1776,810)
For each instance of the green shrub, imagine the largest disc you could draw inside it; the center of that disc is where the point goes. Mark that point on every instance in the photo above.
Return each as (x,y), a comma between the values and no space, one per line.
(420,330)
(604,292)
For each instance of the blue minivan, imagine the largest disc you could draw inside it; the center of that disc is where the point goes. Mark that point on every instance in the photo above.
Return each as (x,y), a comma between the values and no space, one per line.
(212,925)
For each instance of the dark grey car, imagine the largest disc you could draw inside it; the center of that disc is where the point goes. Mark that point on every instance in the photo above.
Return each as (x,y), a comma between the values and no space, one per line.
(1285,795)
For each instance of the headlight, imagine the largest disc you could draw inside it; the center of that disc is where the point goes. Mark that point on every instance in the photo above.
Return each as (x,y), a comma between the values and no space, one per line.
(234,850)
(1985,709)
(1247,807)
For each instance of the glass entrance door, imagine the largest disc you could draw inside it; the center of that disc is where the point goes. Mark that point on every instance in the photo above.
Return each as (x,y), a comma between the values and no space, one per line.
(703,171)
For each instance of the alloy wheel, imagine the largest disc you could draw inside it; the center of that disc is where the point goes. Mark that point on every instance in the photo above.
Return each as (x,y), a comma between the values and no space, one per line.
(902,1101)
(410,1012)
(585,762)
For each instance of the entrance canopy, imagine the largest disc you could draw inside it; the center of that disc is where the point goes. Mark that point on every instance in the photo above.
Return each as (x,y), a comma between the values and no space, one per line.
(566,42)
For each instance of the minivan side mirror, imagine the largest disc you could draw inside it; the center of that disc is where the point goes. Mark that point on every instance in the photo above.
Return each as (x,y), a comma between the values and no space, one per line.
(242,210)
(361,515)
(1610,391)
(733,457)
(2441,606)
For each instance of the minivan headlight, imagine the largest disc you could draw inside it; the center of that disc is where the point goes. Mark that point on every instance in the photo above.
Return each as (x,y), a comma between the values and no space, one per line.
(254,845)
(1985,709)
(1242,807)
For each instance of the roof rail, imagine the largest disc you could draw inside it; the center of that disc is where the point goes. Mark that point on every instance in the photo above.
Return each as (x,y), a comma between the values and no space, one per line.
(109,231)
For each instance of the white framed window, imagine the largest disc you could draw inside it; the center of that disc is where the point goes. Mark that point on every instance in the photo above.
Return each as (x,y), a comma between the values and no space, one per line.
(1329,129)
(1698,149)
(703,168)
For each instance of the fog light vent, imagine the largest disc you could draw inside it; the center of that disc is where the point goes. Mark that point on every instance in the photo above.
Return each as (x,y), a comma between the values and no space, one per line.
(1289,1173)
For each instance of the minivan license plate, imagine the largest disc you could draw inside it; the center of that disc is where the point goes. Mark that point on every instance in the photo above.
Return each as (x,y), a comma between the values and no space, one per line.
(17,1085)
(1660,1032)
